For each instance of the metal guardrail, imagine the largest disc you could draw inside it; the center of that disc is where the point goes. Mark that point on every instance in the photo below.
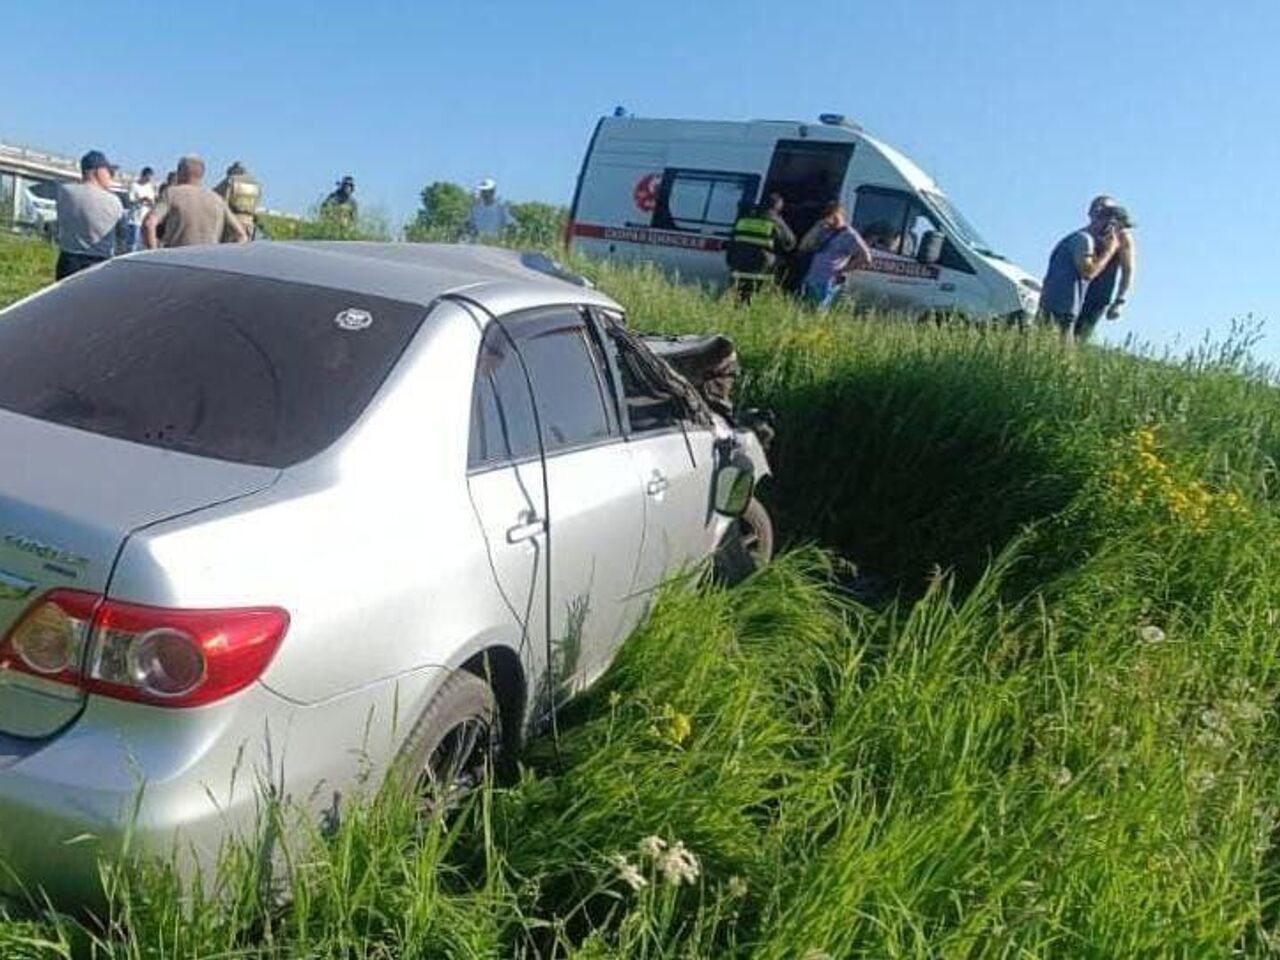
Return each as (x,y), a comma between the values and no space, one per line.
(42,164)
(38,161)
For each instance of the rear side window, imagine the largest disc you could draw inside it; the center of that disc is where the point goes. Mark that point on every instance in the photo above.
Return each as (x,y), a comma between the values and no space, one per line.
(215,364)
(502,423)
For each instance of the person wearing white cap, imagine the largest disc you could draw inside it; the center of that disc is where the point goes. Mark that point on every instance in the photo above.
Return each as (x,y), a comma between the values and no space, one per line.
(489,216)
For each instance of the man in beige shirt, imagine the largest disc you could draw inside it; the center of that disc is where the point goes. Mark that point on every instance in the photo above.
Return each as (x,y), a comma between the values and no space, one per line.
(189,213)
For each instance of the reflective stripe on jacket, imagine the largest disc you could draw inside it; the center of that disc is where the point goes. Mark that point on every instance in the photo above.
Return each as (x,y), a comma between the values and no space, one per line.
(755,231)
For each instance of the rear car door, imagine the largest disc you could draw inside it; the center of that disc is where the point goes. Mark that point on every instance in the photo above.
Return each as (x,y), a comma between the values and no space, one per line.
(508,502)
(675,457)
(594,511)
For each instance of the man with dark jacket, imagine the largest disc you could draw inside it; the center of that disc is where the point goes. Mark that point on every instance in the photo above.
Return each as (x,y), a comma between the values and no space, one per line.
(760,236)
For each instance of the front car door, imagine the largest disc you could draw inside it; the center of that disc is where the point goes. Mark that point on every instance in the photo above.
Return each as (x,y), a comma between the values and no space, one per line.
(594,506)
(674,456)
(894,222)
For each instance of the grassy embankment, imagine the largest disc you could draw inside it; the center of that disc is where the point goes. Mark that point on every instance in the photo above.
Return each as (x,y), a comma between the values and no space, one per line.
(1061,741)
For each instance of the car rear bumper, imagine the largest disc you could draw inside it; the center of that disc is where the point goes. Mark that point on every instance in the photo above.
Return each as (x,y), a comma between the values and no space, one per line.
(179,784)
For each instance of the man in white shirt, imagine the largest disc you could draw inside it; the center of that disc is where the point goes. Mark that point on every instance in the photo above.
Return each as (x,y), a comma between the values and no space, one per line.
(89,217)
(142,198)
(489,216)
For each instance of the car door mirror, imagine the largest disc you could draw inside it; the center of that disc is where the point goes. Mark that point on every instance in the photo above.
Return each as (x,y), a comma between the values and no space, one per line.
(931,247)
(735,482)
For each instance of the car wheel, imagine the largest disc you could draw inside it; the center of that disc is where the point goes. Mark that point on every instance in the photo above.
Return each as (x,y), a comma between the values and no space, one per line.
(453,745)
(747,546)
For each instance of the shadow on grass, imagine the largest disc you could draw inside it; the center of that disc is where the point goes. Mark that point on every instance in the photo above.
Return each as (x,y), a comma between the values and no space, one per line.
(903,472)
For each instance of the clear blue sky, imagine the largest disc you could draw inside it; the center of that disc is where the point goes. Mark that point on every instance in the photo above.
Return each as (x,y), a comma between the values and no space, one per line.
(1022,110)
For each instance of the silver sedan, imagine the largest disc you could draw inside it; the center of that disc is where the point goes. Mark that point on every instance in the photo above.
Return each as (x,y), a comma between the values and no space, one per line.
(307,514)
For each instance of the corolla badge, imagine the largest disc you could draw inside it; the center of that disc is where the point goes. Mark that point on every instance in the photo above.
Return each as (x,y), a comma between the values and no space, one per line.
(14,588)
(45,551)
(353,318)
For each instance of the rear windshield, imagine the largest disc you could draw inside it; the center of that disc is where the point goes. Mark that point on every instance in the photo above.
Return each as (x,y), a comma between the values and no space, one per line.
(215,364)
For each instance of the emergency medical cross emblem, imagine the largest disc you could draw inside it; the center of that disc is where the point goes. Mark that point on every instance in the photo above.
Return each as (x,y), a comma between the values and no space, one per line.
(645,194)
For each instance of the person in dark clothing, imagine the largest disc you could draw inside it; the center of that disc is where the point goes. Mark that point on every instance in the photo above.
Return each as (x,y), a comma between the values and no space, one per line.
(760,236)
(1108,291)
(341,203)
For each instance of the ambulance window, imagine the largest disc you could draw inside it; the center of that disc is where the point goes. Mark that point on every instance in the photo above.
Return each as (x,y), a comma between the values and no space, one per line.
(702,200)
(880,216)
(722,205)
(688,199)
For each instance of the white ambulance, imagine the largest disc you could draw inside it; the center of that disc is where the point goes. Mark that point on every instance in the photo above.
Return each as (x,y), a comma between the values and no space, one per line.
(667,192)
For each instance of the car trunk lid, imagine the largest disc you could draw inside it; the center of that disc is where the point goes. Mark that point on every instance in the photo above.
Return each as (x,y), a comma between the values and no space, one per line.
(68,501)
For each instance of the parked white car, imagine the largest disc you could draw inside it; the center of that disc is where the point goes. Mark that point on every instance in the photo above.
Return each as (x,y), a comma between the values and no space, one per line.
(38,205)
(309,509)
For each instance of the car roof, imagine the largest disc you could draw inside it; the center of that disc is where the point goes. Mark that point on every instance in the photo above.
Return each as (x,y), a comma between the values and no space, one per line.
(498,279)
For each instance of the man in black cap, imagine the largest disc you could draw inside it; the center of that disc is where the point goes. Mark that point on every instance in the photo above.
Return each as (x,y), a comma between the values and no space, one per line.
(89,217)
(1107,293)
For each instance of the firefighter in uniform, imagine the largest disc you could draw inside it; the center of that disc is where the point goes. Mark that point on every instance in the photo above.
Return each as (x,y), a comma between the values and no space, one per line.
(760,234)
(242,193)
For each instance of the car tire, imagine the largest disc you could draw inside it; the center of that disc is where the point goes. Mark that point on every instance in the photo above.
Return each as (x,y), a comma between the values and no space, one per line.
(454,744)
(747,546)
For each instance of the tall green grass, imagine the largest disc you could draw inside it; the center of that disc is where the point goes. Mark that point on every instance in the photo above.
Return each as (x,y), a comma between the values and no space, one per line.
(25,265)
(1058,739)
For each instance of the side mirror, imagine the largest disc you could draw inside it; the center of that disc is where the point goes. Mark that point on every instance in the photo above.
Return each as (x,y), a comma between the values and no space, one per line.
(735,481)
(930,247)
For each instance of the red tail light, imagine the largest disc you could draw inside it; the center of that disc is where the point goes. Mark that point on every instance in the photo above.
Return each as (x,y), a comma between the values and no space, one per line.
(171,658)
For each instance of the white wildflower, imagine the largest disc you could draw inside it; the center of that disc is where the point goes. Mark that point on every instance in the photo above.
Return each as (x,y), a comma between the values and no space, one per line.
(1212,719)
(1150,633)
(737,887)
(628,872)
(1062,777)
(653,846)
(679,865)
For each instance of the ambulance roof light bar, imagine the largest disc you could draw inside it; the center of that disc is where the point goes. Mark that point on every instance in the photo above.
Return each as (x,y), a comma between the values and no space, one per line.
(837,120)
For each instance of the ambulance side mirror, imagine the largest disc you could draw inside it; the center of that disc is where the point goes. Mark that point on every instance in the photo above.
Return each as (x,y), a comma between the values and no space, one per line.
(930,247)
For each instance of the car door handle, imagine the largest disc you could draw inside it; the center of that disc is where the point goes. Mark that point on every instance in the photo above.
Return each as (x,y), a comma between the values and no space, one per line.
(529,527)
(658,485)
